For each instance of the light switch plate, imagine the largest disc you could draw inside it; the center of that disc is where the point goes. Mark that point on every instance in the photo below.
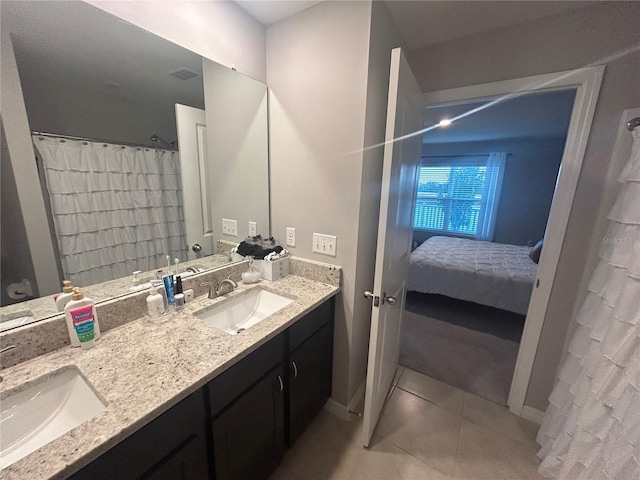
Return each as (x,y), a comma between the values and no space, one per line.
(253,229)
(291,237)
(324,244)
(230,227)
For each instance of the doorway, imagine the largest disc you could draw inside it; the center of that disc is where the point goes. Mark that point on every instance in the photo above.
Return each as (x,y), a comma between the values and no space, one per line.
(586,82)
(485,190)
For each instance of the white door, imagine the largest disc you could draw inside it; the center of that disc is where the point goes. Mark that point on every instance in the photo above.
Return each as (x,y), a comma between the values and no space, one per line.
(192,140)
(395,234)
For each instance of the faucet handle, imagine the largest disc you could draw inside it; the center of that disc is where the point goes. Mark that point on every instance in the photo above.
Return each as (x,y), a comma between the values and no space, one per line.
(233,282)
(212,288)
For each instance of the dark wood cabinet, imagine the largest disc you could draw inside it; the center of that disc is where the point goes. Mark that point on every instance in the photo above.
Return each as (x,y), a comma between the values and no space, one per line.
(248,437)
(309,388)
(246,404)
(173,446)
(236,427)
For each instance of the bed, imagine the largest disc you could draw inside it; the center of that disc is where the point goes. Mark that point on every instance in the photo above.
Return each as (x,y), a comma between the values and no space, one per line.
(494,274)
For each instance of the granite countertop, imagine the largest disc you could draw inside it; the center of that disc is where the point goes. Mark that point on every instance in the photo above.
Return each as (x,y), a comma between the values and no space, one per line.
(44,307)
(142,369)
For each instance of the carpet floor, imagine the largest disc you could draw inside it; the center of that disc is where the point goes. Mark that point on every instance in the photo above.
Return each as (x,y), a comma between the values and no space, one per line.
(467,345)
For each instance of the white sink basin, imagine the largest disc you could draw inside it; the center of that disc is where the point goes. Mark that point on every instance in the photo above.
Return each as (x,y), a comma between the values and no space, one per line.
(44,411)
(241,312)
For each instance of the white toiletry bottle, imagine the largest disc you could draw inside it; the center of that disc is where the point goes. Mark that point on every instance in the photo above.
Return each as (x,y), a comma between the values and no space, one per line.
(65,296)
(82,320)
(155,302)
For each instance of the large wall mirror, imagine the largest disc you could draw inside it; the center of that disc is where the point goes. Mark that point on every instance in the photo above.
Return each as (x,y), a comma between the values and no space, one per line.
(141,149)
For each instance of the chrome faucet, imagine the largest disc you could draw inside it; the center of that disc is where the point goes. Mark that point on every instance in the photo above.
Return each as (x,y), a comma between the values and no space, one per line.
(6,349)
(212,289)
(226,286)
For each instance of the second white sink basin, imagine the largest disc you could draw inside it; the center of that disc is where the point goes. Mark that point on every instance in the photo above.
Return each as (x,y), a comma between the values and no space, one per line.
(43,412)
(241,312)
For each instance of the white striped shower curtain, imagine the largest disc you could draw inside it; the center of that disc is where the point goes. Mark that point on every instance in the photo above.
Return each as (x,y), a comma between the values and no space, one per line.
(116,209)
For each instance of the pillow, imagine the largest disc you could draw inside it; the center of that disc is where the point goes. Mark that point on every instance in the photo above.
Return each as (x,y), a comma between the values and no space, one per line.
(534,253)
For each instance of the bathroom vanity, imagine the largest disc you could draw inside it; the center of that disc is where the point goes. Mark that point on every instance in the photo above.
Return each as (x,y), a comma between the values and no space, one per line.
(187,400)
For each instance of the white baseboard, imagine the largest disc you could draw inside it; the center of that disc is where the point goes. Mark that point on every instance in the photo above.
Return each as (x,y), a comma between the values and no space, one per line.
(533,414)
(338,409)
(344,411)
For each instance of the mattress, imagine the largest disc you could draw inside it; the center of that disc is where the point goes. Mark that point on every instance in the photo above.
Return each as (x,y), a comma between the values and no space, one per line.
(494,274)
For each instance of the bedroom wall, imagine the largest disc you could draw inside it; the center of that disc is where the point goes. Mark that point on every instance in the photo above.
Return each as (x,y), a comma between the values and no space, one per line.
(604,34)
(527,190)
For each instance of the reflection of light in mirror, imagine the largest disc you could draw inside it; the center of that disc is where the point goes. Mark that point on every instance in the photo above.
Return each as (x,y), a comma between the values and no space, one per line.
(445,122)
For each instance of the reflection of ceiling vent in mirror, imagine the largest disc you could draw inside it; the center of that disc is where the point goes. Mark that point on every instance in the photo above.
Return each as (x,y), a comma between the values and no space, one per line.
(183,74)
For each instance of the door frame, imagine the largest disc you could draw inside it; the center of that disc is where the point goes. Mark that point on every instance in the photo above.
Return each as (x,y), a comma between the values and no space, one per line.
(587,83)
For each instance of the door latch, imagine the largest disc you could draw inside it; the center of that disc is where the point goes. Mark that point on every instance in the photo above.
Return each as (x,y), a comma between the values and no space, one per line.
(376,299)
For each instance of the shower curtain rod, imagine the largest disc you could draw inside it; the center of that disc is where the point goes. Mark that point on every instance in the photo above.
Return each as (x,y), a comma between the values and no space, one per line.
(99,140)
(633,123)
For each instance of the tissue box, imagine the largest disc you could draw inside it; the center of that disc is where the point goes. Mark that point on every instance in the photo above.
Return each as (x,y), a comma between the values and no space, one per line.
(268,270)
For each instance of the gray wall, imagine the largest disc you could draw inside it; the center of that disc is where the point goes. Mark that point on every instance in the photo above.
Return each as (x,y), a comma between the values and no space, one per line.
(596,35)
(323,110)
(527,190)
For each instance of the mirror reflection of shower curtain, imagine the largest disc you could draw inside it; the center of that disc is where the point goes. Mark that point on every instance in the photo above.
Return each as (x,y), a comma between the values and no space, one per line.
(116,208)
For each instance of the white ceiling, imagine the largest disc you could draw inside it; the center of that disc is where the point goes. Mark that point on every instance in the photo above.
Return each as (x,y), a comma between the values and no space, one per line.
(426,22)
(271,11)
(75,44)
(535,115)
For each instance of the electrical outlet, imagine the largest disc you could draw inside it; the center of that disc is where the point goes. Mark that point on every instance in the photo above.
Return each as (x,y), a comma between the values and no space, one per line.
(230,227)
(253,229)
(291,237)
(324,244)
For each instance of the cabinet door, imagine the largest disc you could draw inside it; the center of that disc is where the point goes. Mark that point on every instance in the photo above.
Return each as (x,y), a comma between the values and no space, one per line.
(176,437)
(183,464)
(309,380)
(248,436)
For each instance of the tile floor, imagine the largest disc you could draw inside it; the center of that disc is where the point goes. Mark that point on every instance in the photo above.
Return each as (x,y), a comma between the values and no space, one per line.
(428,431)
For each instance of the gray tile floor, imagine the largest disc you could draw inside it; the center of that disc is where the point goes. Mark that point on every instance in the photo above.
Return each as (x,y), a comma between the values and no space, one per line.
(429,430)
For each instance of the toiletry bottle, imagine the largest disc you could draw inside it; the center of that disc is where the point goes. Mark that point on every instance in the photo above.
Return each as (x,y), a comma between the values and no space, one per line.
(155,302)
(65,296)
(168,289)
(82,320)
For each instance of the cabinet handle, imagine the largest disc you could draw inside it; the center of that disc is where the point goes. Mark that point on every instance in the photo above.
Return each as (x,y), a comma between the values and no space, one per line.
(295,369)
(280,383)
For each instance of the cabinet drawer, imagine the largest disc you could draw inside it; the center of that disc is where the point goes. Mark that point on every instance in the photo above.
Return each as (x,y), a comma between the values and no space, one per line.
(234,381)
(310,323)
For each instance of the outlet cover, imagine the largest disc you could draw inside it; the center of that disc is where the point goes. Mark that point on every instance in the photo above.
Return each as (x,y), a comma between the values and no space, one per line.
(230,227)
(291,237)
(253,229)
(324,244)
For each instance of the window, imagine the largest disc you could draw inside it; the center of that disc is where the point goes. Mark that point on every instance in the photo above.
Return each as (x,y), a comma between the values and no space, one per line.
(460,195)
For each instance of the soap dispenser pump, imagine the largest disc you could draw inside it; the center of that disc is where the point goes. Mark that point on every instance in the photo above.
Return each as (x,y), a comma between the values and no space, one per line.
(155,302)
(82,320)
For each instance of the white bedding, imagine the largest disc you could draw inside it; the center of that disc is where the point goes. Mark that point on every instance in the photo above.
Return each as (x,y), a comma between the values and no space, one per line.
(494,274)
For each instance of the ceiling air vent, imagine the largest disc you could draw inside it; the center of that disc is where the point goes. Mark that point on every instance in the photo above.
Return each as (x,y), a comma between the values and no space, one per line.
(183,74)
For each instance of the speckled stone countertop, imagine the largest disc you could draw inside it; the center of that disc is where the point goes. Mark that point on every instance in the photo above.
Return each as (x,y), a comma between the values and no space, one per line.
(44,307)
(142,369)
